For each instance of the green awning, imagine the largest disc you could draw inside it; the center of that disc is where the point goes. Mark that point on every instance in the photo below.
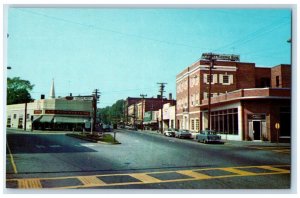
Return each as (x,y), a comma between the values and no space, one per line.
(46,119)
(58,119)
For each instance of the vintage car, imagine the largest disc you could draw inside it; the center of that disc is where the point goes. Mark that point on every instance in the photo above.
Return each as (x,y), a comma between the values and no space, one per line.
(183,133)
(170,132)
(208,136)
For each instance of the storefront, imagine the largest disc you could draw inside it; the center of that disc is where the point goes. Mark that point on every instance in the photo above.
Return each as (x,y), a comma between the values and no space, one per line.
(70,114)
(259,114)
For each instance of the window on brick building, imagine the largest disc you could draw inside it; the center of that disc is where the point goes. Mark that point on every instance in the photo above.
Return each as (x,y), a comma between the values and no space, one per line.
(277,81)
(197,125)
(225,79)
(15,116)
(192,125)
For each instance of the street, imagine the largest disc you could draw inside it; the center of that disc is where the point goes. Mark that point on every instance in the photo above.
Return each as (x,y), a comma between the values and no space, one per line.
(142,161)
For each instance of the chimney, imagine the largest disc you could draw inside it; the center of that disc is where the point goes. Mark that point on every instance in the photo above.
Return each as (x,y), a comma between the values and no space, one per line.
(170,96)
(71,94)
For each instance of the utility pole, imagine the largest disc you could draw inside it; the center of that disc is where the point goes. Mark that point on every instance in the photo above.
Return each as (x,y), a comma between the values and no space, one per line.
(211,65)
(95,101)
(143,100)
(161,90)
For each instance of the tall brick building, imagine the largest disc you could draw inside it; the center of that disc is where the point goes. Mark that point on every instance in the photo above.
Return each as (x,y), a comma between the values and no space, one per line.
(260,97)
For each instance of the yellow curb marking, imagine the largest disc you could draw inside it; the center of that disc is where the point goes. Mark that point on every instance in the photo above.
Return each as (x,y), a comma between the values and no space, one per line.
(29,183)
(12,159)
(91,180)
(194,174)
(145,178)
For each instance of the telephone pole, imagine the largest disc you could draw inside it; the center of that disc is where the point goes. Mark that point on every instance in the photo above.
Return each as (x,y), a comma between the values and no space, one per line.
(95,101)
(143,100)
(161,90)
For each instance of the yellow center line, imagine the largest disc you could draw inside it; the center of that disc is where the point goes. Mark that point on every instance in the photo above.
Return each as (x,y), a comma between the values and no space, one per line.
(12,159)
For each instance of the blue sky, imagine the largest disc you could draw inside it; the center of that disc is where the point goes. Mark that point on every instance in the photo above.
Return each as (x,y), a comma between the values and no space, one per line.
(125,52)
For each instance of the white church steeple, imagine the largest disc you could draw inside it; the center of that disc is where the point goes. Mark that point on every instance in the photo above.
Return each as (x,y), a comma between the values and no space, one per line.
(52,91)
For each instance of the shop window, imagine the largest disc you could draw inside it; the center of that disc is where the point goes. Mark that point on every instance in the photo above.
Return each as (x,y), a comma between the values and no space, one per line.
(225,121)
(285,121)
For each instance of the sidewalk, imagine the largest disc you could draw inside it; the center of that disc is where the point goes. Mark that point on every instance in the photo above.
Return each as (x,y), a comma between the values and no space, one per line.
(234,142)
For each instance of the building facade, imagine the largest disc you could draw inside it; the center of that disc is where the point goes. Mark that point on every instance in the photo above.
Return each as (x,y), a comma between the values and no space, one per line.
(135,109)
(192,86)
(69,113)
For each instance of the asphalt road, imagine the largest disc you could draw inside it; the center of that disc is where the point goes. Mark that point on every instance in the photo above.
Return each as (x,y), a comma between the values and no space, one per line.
(141,161)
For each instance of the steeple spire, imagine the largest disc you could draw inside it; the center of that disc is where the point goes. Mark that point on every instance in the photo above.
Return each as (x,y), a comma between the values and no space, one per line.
(52,91)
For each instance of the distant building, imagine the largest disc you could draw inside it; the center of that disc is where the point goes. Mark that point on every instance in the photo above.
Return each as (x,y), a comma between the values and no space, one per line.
(244,82)
(135,109)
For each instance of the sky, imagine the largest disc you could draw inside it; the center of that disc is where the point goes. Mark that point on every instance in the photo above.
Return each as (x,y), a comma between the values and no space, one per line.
(125,52)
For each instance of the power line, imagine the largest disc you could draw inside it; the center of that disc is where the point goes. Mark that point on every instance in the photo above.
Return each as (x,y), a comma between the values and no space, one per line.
(108,30)
(252,35)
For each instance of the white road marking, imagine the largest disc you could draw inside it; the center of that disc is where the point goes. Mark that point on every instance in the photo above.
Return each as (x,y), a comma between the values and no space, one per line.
(55,146)
(88,145)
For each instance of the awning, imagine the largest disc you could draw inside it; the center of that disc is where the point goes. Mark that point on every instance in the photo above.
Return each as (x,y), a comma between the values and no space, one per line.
(46,118)
(36,118)
(58,119)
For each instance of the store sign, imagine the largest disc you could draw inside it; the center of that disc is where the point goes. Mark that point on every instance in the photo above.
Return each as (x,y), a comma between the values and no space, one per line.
(86,113)
(83,98)
(37,112)
(257,116)
(228,57)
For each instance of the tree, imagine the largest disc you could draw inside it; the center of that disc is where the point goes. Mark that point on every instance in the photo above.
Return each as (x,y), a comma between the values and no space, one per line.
(18,90)
(112,114)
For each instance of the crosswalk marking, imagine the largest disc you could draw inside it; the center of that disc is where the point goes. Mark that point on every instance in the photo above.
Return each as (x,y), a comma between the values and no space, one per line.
(150,177)
(91,180)
(145,178)
(275,169)
(29,183)
(194,174)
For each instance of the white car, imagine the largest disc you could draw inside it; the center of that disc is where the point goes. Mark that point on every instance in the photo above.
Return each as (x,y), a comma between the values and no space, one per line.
(170,132)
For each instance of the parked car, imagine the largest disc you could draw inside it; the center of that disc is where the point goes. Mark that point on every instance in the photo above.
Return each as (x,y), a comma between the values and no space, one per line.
(170,132)
(208,136)
(183,133)
(107,128)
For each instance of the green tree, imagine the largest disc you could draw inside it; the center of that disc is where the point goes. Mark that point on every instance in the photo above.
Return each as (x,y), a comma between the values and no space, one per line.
(112,114)
(18,90)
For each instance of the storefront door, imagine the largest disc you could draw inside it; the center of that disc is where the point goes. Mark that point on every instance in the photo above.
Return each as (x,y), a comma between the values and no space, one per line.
(256,130)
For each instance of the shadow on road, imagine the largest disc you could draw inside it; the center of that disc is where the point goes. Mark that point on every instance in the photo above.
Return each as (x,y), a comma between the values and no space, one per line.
(29,144)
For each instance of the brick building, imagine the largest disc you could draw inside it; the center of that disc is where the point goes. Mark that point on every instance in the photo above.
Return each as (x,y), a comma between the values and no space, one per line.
(135,108)
(228,77)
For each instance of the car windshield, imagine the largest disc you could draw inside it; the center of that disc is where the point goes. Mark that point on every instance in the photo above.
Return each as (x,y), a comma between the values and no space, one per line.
(209,132)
